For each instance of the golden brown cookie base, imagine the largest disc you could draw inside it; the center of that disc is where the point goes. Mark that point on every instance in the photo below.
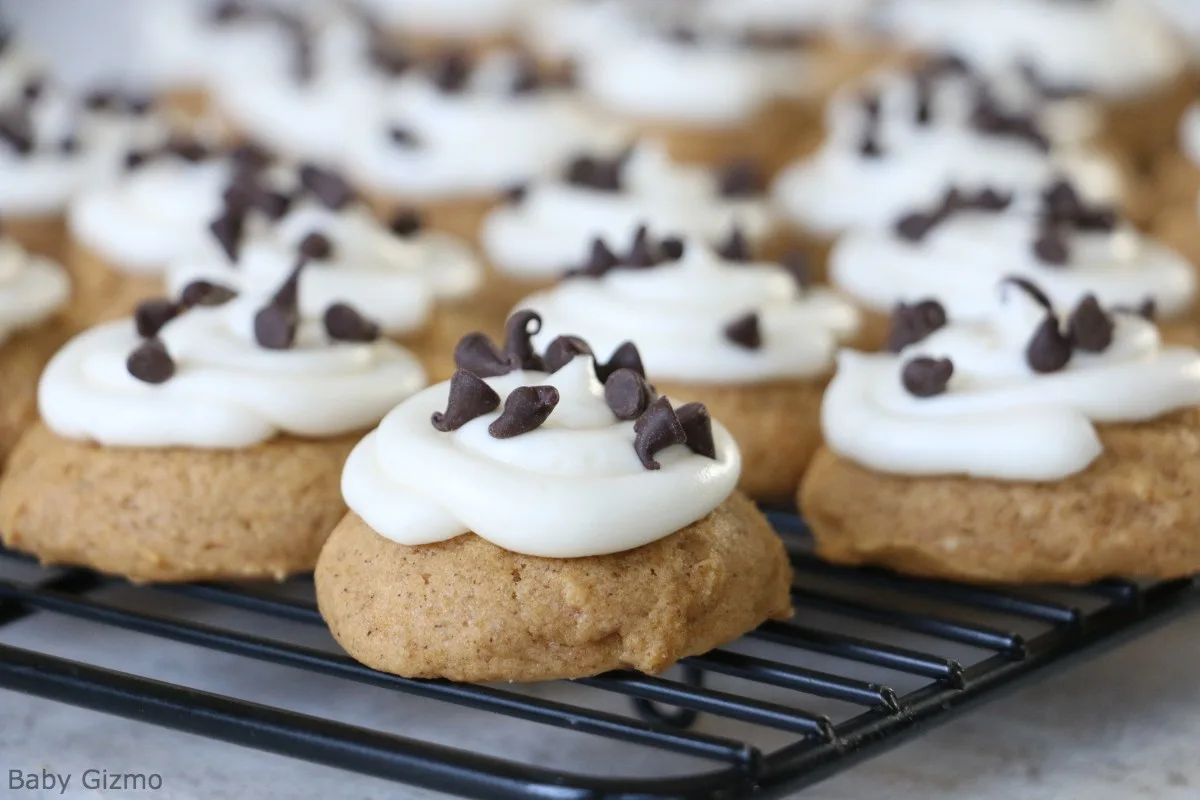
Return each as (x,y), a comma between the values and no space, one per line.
(174,514)
(46,236)
(1175,181)
(470,611)
(22,358)
(777,426)
(1134,513)
(1145,125)
(101,291)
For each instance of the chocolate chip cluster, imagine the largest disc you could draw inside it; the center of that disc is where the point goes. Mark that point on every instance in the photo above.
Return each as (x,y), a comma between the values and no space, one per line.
(915,226)
(657,425)
(1063,211)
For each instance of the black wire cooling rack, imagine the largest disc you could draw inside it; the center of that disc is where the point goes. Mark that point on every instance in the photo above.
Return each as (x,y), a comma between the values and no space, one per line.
(858,635)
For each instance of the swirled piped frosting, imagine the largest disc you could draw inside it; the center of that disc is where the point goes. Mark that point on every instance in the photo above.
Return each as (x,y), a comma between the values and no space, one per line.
(214,370)
(32,288)
(900,139)
(1015,397)
(541,458)
(958,250)
(551,223)
(699,315)
(1069,44)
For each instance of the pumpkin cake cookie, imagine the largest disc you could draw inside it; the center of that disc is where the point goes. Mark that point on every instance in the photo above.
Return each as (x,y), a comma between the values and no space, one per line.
(545,516)
(1039,445)
(202,439)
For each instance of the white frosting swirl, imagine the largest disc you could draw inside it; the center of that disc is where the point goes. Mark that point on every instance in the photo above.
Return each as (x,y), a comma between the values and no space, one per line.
(572,487)
(391,280)
(999,419)
(1071,44)
(554,224)
(839,188)
(31,288)
(41,181)
(677,313)
(227,392)
(479,141)
(962,258)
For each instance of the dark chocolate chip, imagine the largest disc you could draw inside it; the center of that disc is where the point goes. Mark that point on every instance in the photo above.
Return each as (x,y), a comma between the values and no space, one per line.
(228,11)
(528,78)
(275,324)
(600,260)
(626,356)
(470,397)
(249,158)
(403,137)
(406,223)
(205,293)
(344,323)
(869,146)
(1103,220)
(135,159)
(796,264)
(735,247)
(1089,327)
(642,253)
(274,204)
(387,57)
(330,189)
(562,350)
(672,248)
(990,199)
(525,409)
(912,323)
(1061,200)
(871,106)
(187,149)
(227,229)
(740,179)
(518,344)
(657,429)
(1031,289)
(450,73)
(745,332)
(33,89)
(927,377)
(69,145)
(476,353)
(151,315)
(316,247)
(627,394)
(150,362)
(697,429)
(603,175)
(916,226)
(16,129)
(100,100)
(1051,248)
(1049,350)
(516,194)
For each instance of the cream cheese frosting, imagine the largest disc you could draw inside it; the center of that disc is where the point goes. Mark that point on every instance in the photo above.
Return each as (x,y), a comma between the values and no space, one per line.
(997,417)
(226,390)
(32,288)
(902,138)
(556,218)
(572,487)
(1069,44)
(960,259)
(686,316)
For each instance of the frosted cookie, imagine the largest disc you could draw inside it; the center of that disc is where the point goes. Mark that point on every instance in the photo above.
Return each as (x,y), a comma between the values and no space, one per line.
(203,439)
(957,250)
(1068,45)
(420,286)
(1042,444)
(549,224)
(453,137)
(556,513)
(899,139)
(33,289)
(751,340)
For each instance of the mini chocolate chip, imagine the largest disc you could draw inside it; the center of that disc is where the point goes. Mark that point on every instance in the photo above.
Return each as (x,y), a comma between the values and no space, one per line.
(450,73)
(672,248)
(470,397)
(249,158)
(205,293)
(525,409)
(657,429)
(344,323)
(274,204)
(100,100)
(516,194)
(697,429)
(16,129)
(1148,309)
(603,175)
(476,353)
(600,260)
(642,253)
(186,149)
(316,247)
(626,356)
(796,264)
(1061,200)
(135,159)
(528,78)
(151,315)
(1048,350)
(228,11)
(275,324)
(403,137)
(517,339)
(1102,220)
(745,332)
(627,394)
(735,247)
(1089,328)
(33,89)
(227,229)
(740,179)
(871,106)
(912,323)
(330,189)
(1051,248)
(1031,289)
(406,223)
(138,106)
(682,34)
(916,226)
(927,377)
(69,145)
(990,199)
(150,362)
(387,57)
(562,350)
(869,146)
